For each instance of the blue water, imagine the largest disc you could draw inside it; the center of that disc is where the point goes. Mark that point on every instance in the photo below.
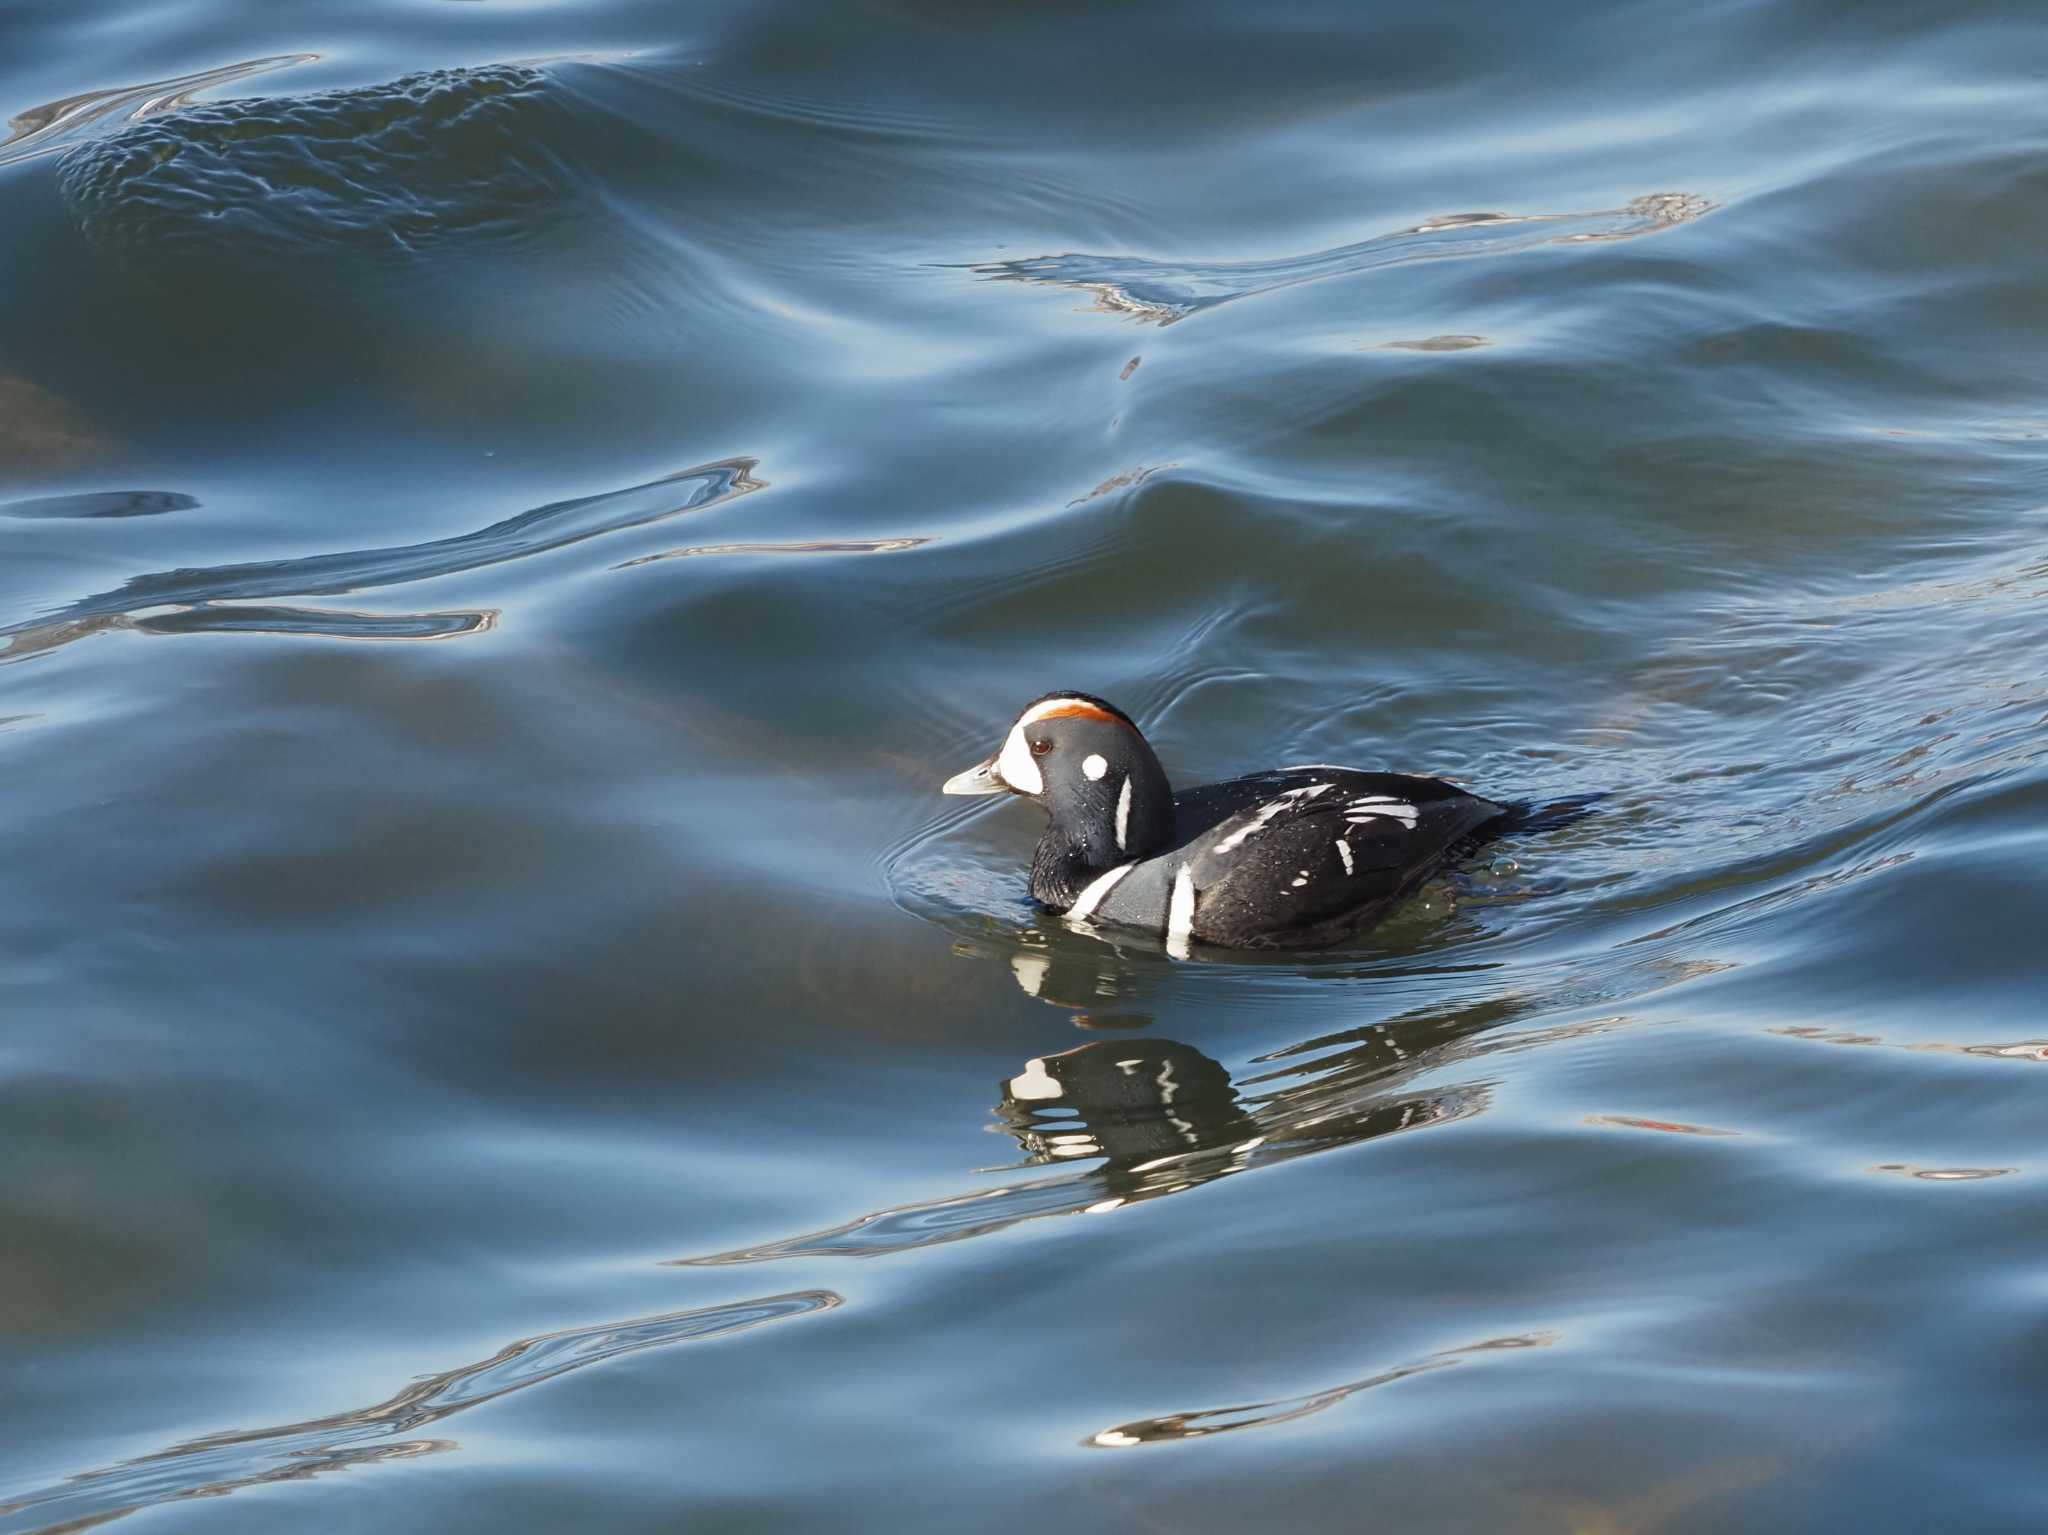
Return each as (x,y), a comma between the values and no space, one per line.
(509,512)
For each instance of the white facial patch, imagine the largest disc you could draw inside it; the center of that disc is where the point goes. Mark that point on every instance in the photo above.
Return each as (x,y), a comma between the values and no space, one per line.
(1123,817)
(1095,764)
(1018,767)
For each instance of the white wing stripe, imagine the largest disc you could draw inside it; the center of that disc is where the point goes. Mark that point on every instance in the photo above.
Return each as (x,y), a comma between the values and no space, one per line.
(1381,807)
(1267,811)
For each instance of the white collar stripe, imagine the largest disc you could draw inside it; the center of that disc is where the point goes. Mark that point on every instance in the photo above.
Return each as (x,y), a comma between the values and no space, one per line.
(1098,888)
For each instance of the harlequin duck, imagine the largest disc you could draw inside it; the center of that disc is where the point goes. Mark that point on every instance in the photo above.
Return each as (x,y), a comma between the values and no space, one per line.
(1291,858)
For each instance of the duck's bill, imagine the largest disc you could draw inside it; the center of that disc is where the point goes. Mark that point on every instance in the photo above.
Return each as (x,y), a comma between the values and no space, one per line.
(982,778)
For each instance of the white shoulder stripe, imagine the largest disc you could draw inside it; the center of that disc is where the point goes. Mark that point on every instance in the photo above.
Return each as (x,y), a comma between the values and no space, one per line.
(1180,914)
(1099,887)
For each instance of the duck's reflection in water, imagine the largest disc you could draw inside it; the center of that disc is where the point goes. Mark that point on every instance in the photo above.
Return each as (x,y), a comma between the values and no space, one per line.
(1164,1117)
(1103,979)
(1095,981)
(1131,1102)
(1153,1117)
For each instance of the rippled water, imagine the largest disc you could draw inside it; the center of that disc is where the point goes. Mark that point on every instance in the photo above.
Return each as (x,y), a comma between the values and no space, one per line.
(578,1073)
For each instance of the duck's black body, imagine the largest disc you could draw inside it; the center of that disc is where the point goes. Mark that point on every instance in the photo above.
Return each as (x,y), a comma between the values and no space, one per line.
(1292,858)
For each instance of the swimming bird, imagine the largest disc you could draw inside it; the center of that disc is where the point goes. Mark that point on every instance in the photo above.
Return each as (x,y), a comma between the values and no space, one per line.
(1291,858)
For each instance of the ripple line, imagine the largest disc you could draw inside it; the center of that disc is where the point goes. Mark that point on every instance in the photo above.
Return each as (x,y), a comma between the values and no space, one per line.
(1223,1420)
(223,1463)
(539,531)
(1942,1174)
(57,125)
(1164,292)
(807,546)
(332,623)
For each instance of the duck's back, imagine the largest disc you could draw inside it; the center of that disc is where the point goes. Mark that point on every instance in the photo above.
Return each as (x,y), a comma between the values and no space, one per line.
(1291,858)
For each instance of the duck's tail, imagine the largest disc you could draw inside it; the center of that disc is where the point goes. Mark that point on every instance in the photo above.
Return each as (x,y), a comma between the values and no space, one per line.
(1524,816)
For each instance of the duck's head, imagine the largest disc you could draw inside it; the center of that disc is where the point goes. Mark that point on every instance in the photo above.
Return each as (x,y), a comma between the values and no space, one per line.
(1106,798)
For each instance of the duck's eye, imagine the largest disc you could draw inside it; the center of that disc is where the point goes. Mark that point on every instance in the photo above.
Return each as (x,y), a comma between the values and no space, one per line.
(1040,747)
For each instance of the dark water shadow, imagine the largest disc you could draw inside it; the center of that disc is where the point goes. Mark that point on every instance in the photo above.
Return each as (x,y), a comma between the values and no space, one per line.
(223,1463)
(1167,291)
(1435,344)
(330,622)
(291,184)
(91,505)
(193,591)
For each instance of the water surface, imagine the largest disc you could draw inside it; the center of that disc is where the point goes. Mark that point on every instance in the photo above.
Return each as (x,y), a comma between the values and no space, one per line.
(508,513)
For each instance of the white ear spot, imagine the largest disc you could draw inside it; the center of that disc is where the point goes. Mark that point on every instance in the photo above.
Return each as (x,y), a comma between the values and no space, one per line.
(1095,764)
